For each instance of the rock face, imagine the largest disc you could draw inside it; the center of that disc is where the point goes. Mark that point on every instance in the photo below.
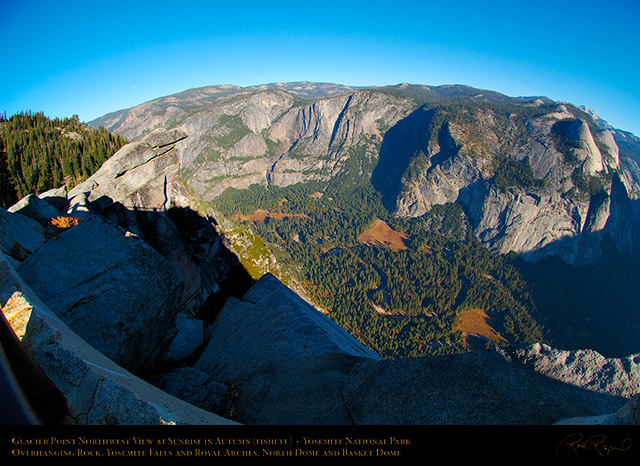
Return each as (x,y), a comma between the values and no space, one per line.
(196,388)
(35,208)
(97,390)
(265,135)
(97,280)
(536,177)
(273,346)
(532,224)
(20,236)
(478,388)
(137,190)
(537,182)
(584,368)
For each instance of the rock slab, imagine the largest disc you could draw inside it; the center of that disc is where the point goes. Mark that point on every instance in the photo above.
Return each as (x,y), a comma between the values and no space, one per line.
(110,287)
(477,388)
(287,360)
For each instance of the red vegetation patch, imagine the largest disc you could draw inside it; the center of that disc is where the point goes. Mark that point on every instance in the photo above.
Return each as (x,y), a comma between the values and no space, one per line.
(476,322)
(383,235)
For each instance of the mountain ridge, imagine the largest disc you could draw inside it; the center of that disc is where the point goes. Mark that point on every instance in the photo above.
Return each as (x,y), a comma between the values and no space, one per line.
(443,144)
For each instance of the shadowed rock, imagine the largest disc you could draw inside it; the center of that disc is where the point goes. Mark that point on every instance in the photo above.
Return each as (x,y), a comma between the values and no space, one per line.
(273,346)
(195,387)
(477,388)
(20,236)
(57,197)
(35,208)
(111,288)
(97,391)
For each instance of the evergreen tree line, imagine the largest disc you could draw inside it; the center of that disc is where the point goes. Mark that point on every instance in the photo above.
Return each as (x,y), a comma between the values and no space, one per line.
(38,153)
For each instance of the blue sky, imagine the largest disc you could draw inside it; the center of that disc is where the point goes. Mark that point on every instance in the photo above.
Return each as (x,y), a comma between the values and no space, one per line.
(91,58)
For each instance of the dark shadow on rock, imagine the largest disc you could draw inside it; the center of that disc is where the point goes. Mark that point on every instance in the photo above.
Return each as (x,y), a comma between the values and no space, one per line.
(593,302)
(200,233)
(596,303)
(212,272)
(589,306)
(399,145)
(472,198)
(135,271)
(476,388)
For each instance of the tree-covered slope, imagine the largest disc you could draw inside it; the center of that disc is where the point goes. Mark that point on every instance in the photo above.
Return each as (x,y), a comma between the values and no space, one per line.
(413,298)
(38,153)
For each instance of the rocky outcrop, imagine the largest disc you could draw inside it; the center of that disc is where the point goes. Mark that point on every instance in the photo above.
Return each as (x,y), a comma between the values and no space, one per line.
(97,279)
(520,220)
(35,208)
(138,175)
(272,347)
(478,388)
(20,236)
(97,391)
(588,369)
(123,271)
(137,190)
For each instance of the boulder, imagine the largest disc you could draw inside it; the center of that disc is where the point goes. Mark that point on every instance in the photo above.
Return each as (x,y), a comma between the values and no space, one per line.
(57,197)
(110,287)
(287,360)
(189,337)
(35,208)
(20,236)
(271,324)
(138,175)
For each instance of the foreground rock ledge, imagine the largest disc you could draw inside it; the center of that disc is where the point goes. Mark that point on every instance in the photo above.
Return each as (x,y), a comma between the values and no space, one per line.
(98,391)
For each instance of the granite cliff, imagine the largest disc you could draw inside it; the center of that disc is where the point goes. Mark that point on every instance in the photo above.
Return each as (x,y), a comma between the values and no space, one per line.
(134,306)
(536,177)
